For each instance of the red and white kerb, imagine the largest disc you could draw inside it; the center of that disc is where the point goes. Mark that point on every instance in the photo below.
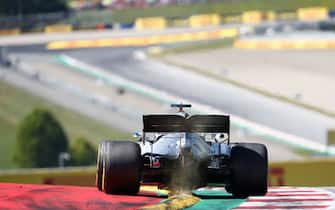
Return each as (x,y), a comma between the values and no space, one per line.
(292,198)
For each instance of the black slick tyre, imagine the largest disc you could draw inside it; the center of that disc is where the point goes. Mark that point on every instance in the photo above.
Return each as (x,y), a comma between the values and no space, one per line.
(121,168)
(249,170)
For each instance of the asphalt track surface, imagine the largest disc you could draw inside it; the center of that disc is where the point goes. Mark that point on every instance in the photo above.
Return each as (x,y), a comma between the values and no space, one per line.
(31,197)
(275,114)
(308,75)
(46,66)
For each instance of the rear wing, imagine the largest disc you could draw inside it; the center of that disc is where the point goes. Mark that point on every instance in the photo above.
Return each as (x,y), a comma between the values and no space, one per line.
(195,123)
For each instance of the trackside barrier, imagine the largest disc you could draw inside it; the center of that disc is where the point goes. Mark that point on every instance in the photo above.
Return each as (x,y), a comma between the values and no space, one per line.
(58,28)
(331,13)
(83,27)
(252,17)
(293,173)
(150,23)
(312,14)
(298,173)
(255,17)
(127,25)
(284,44)
(144,41)
(12,31)
(70,176)
(287,16)
(232,19)
(33,30)
(270,16)
(204,20)
(100,26)
(180,23)
(248,17)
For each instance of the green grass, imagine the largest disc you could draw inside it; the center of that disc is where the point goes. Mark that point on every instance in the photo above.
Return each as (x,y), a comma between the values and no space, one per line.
(198,46)
(16,103)
(224,8)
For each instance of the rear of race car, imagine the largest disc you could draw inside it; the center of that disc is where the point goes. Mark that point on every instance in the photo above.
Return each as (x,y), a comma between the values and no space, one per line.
(183,151)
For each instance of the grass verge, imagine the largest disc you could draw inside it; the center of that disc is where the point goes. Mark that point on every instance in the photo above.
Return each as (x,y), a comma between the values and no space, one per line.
(197,46)
(223,8)
(16,103)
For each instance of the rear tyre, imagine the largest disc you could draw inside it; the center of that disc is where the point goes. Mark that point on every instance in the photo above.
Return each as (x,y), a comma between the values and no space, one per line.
(100,158)
(249,170)
(121,168)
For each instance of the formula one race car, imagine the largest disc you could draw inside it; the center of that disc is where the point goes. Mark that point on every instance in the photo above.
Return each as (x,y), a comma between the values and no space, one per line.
(183,151)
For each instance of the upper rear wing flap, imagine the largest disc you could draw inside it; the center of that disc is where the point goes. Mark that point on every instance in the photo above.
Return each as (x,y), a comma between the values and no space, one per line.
(195,123)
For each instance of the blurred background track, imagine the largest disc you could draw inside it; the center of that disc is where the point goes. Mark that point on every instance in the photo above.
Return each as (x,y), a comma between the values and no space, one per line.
(302,75)
(126,109)
(203,77)
(228,98)
(133,64)
(275,71)
(129,106)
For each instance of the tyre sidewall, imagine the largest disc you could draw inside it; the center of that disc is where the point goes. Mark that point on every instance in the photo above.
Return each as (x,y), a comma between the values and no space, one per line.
(100,158)
(249,169)
(122,167)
